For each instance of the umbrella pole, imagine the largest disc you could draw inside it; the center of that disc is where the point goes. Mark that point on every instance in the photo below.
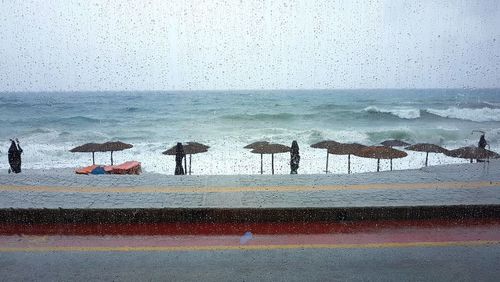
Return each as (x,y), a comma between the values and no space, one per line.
(93,159)
(189,164)
(348,163)
(185,165)
(426,158)
(378,165)
(272,163)
(261,162)
(111,157)
(326,170)
(391,164)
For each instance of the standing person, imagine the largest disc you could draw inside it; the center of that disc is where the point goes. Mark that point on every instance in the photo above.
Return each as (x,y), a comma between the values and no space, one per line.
(179,155)
(15,152)
(482,142)
(294,158)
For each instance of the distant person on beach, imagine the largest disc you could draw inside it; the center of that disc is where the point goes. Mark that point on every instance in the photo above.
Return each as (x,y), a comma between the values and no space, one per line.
(15,152)
(481,144)
(179,155)
(294,158)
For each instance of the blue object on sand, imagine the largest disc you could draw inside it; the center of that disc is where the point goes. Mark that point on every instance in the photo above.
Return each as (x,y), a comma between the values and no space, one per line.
(98,170)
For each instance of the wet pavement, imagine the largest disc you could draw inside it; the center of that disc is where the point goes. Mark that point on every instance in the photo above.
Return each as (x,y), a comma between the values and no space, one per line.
(466,184)
(465,250)
(477,263)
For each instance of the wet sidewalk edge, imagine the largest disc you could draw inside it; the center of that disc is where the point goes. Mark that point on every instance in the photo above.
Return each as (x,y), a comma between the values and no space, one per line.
(244,215)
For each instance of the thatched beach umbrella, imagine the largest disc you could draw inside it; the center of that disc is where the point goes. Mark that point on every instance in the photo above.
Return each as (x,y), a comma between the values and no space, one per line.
(346,149)
(380,152)
(256,145)
(326,144)
(472,153)
(428,148)
(194,148)
(271,149)
(87,148)
(395,143)
(113,147)
(190,148)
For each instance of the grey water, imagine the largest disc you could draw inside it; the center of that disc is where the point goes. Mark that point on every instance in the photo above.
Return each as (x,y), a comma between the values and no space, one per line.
(49,124)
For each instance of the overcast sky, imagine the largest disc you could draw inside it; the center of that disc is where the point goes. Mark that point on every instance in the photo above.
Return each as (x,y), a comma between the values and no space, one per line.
(180,45)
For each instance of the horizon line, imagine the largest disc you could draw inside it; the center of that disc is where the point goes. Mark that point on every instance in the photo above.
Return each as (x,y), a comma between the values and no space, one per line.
(242,90)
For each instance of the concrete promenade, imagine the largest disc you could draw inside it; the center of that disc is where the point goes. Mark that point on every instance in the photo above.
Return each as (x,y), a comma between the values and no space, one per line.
(439,185)
(452,185)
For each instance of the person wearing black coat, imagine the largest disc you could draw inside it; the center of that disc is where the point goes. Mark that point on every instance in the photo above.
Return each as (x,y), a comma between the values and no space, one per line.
(14,155)
(294,158)
(482,142)
(179,155)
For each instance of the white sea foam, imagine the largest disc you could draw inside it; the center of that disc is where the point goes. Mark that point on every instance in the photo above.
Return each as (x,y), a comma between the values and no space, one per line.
(401,112)
(224,158)
(496,105)
(479,115)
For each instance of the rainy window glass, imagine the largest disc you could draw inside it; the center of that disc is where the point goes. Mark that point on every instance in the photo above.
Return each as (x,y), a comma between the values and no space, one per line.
(283,130)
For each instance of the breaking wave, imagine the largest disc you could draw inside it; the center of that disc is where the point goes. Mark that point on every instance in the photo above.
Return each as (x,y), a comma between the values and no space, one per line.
(404,113)
(477,115)
(484,114)
(268,117)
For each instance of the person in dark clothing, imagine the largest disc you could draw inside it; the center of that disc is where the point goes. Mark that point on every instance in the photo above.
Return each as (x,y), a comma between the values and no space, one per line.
(15,156)
(482,142)
(294,158)
(178,159)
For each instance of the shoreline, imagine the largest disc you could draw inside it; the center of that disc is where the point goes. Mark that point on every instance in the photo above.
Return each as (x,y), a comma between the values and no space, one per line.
(237,162)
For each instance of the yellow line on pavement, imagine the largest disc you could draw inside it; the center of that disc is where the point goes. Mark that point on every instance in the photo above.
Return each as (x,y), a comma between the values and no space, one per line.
(247,247)
(170,189)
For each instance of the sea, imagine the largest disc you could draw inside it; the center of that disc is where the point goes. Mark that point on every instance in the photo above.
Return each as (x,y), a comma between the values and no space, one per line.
(49,124)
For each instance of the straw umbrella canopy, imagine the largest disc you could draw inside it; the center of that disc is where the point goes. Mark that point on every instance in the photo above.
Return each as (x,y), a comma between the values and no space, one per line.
(380,152)
(256,145)
(271,149)
(472,153)
(104,147)
(194,148)
(172,151)
(87,148)
(395,143)
(427,148)
(190,148)
(346,149)
(113,147)
(326,144)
